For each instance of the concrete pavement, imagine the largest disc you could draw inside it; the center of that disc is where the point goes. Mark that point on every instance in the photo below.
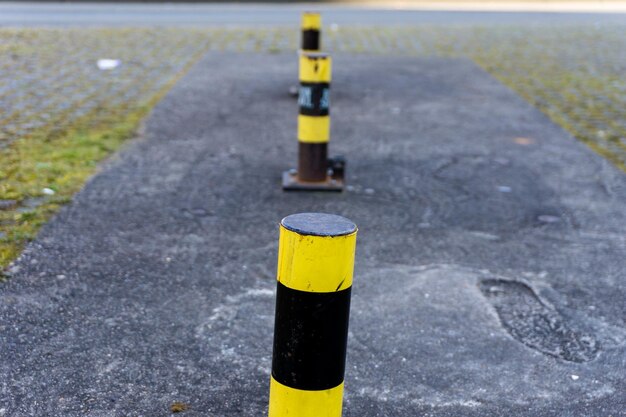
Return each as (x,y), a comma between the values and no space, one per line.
(490,268)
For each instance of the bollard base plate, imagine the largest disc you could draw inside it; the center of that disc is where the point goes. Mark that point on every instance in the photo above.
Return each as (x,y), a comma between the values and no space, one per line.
(291,182)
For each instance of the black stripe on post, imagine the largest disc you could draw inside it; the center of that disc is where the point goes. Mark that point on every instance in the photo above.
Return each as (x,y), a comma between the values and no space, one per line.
(311,40)
(314,99)
(310,338)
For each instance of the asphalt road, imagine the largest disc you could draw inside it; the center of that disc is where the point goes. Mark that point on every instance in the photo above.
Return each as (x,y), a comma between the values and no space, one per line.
(100,14)
(489,272)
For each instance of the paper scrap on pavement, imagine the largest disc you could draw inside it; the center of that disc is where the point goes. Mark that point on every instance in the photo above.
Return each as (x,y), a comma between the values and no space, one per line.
(108,64)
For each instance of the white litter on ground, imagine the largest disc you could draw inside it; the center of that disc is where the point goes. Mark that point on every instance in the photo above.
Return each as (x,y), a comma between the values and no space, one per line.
(108,64)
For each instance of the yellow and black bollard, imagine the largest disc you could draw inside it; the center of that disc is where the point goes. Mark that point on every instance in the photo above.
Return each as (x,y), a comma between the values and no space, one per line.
(311,29)
(315,266)
(315,171)
(310,38)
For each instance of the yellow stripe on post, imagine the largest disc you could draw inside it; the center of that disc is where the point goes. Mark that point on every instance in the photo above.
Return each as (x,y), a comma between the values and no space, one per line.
(311,21)
(315,263)
(290,402)
(315,68)
(313,129)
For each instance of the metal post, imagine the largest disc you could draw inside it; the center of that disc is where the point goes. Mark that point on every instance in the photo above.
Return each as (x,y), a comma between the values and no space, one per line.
(315,266)
(311,27)
(314,129)
(314,116)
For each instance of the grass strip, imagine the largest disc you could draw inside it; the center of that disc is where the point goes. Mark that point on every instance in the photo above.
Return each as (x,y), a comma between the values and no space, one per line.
(42,171)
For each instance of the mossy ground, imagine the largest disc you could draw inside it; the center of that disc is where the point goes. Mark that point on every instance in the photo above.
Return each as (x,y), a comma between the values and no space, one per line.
(62,165)
(61,115)
(44,161)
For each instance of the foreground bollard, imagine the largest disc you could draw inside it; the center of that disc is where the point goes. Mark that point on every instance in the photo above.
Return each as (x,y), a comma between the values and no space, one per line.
(315,266)
(311,27)
(315,171)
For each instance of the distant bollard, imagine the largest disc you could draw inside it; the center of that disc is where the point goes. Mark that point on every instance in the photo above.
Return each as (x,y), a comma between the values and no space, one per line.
(315,266)
(314,116)
(310,39)
(315,171)
(311,28)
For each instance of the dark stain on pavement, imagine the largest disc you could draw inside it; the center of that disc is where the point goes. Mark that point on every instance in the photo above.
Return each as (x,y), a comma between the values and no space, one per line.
(530,321)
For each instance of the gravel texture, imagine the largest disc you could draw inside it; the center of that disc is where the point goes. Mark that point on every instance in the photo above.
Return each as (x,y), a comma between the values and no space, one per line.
(50,78)
(154,289)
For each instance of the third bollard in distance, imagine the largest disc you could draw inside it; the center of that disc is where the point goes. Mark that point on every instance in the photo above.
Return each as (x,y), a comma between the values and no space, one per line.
(311,31)
(310,38)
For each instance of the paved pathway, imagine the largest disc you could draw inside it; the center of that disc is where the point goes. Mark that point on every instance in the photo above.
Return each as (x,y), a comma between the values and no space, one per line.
(490,262)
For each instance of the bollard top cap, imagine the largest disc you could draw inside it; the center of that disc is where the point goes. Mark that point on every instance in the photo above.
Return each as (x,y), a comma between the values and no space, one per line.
(318,224)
